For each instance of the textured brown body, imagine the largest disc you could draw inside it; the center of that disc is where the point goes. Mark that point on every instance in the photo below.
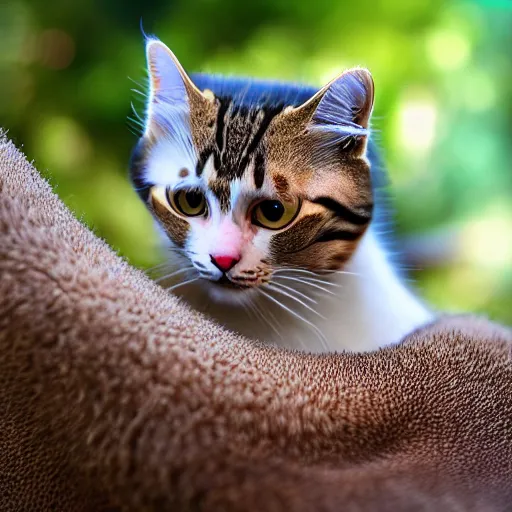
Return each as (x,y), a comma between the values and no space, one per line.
(112,393)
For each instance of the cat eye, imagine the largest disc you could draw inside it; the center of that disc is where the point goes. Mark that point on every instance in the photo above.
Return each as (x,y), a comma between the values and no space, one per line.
(274,214)
(190,203)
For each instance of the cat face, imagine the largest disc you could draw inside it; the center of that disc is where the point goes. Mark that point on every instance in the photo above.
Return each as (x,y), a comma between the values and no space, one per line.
(244,189)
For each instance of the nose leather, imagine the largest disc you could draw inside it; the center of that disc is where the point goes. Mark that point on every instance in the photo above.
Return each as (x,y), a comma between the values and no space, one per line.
(224,263)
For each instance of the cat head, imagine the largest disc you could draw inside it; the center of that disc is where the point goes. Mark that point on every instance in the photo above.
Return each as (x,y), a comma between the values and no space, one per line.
(244,185)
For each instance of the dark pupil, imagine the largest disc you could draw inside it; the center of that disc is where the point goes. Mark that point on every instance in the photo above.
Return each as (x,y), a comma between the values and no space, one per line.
(272,210)
(194,199)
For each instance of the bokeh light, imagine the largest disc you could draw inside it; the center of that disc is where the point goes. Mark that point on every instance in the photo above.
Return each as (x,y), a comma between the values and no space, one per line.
(417,123)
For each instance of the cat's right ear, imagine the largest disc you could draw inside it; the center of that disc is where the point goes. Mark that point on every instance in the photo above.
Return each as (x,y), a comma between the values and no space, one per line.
(169,85)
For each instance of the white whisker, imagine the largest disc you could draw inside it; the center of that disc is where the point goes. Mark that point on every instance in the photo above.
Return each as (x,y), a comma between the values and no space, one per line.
(296,315)
(179,271)
(266,319)
(177,249)
(308,283)
(321,281)
(319,273)
(307,306)
(182,284)
(313,280)
(298,270)
(344,272)
(137,116)
(289,288)
(160,266)
(182,252)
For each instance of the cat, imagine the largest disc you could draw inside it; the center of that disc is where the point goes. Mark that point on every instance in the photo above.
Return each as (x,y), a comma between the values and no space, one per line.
(265,192)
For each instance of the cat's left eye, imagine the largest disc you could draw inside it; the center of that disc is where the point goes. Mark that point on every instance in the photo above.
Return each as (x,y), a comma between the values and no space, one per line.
(274,214)
(191,203)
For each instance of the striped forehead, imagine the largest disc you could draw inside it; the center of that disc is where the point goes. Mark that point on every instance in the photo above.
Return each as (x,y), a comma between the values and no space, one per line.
(236,145)
(221,189)
(235,192)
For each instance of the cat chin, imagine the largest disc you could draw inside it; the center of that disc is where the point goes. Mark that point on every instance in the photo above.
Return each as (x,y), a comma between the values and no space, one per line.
(230,295)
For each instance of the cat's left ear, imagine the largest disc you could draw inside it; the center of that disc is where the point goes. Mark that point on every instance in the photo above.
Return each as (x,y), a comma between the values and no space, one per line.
(342,109)
(170,86)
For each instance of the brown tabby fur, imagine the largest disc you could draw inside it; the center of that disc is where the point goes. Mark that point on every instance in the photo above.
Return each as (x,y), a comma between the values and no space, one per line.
(116,396)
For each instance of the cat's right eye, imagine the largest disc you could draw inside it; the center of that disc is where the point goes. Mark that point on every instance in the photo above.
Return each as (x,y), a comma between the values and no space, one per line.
(190,203)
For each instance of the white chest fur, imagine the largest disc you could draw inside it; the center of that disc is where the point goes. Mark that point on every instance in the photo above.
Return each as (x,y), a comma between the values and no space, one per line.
(371,307)
(376,307)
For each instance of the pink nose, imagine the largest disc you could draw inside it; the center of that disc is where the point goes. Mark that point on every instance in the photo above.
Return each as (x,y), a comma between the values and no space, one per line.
(224,263)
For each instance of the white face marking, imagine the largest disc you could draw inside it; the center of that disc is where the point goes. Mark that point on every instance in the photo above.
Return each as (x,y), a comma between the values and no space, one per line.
(220,233)
(226,234)
(160,171)
(208,170)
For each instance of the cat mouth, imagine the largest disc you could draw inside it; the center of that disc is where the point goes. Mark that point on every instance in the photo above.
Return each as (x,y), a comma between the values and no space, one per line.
(225,282)
(225,291)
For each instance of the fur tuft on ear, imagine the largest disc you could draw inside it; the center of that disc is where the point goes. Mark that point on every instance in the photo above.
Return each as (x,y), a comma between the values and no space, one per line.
(339,112)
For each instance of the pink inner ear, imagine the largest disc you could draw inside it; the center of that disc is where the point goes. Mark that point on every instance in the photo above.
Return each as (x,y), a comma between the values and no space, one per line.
(228,242)
(165,77)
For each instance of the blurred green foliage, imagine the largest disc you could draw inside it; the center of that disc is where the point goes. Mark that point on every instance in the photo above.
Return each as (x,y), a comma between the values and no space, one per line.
(443,73)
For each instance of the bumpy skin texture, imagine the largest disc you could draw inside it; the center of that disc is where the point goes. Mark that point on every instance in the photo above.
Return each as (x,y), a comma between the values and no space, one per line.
(113,395)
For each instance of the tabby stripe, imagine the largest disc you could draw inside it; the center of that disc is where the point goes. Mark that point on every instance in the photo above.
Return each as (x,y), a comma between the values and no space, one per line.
(329,236)
(252,116)
(359,218)
(202,159)
(219,134)
(259,171)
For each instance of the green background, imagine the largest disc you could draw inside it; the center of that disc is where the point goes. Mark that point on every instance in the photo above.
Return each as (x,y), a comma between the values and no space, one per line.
(443,74)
